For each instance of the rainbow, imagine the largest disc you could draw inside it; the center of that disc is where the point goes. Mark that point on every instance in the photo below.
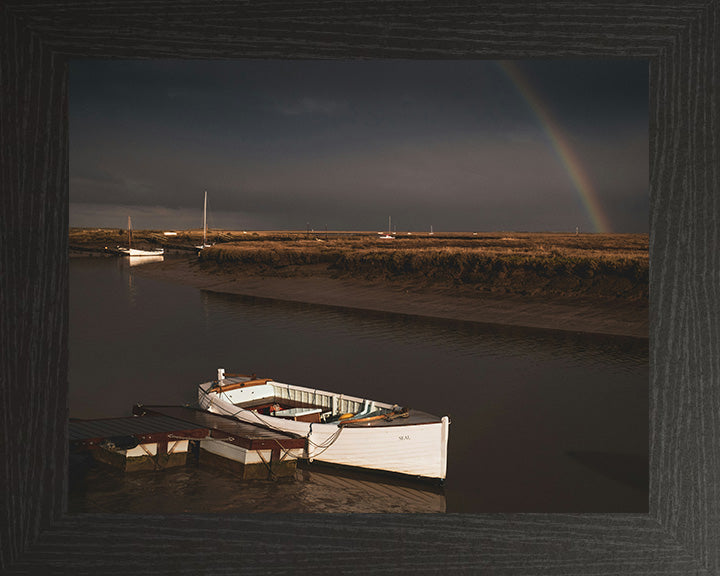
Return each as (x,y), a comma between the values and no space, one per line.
(561,146)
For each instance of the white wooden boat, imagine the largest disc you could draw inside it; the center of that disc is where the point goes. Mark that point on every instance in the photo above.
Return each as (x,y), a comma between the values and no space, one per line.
(339,429)
(133,252)
(130,251)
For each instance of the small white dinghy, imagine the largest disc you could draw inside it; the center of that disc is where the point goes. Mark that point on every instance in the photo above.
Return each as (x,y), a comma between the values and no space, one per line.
(130,251)
(339,429)
(135,252)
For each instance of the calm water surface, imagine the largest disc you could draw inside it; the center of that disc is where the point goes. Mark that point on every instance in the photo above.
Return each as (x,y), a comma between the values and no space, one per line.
(541,421)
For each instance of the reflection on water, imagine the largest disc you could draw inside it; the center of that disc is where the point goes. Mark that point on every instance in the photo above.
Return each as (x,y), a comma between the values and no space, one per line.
(139,260)
(541,421)
(465,338)
(199,490)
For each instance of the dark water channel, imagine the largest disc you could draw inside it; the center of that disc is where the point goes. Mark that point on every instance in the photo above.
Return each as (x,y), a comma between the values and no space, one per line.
(541,421)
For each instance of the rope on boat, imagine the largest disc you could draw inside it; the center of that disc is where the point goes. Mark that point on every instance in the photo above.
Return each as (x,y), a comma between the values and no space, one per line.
(323,446)
(273,476)
(326,444)
(285,451)
(234,414)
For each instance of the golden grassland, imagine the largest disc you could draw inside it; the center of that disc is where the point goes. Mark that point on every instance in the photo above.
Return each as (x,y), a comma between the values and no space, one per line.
(596,266)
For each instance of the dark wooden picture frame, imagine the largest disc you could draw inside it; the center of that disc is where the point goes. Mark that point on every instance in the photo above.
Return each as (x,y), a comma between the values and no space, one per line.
(681,532)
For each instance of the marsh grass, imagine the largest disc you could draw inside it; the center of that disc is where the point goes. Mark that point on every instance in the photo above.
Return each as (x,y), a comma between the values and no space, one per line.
(600,266)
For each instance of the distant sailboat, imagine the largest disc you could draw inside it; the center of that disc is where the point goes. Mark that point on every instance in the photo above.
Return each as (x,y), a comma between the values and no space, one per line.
(388,236)
(130,251)
(204,242)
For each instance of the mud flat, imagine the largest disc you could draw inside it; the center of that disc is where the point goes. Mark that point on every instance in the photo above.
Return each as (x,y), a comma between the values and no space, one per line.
(404,296)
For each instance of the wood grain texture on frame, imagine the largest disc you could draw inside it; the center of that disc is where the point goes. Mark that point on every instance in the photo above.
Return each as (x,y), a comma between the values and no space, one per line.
(681,532)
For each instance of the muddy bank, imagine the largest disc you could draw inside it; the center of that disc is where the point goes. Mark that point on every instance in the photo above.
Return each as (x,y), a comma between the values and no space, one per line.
(316,287)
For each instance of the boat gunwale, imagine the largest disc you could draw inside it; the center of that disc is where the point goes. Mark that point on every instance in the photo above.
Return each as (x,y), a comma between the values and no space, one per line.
(276,422)
(302,389)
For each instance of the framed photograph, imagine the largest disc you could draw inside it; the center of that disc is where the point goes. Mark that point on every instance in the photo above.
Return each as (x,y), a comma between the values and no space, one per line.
(671,532)
(492,338)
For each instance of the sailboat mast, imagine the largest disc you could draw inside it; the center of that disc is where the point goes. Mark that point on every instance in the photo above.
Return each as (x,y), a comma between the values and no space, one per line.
(205,219)
(129,232)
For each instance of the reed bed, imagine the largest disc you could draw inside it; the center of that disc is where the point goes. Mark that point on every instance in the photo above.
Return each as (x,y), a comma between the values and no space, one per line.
(600,266)
(608,267)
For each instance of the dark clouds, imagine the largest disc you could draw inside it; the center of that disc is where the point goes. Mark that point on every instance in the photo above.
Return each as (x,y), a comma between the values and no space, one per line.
(345,144)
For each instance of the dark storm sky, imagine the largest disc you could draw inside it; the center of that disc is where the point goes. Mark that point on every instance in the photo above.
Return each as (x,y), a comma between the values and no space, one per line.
(457,145)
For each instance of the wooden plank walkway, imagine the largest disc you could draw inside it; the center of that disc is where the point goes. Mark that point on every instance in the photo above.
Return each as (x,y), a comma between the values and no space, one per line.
(151,429)
(226,428)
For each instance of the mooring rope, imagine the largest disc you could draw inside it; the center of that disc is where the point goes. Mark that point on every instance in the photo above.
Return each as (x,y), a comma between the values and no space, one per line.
(323,446)
(285,451)
(155,459)
(273,476)
(234,414)
(329,441)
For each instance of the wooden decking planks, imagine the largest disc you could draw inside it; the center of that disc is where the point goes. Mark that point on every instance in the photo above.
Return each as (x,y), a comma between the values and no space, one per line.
(225,428)
(149,429)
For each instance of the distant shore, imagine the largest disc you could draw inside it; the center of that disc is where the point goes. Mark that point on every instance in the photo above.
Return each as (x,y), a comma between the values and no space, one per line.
(593,283)
(611,318)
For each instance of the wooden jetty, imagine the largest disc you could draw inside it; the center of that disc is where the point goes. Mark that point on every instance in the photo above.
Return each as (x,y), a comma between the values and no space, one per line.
(249,451)
(159,437)
(136,443)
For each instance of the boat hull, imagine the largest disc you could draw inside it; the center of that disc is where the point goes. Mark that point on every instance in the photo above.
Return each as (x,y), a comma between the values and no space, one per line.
(418,449)
(136,252)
